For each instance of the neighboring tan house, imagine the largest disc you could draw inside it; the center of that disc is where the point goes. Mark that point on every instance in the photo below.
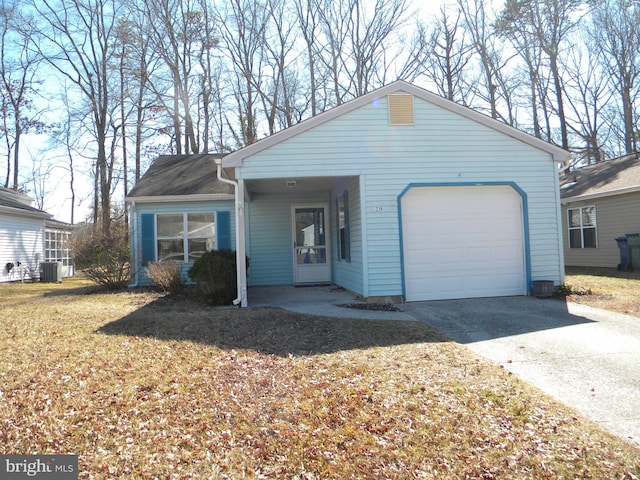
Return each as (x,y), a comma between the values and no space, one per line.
(398,194)
(600,203)
(30,237)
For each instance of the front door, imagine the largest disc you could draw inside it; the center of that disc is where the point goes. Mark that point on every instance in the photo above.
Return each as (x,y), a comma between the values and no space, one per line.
(311,262)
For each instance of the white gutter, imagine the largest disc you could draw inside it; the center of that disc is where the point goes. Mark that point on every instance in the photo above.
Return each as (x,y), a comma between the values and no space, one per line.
(241,262)
(200,197)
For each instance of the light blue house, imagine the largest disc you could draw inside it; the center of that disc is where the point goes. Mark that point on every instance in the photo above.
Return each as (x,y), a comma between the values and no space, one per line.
(178,210)
(399,194)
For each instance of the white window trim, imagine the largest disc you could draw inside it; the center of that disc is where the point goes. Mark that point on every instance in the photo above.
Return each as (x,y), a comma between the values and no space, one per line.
(185,233)
(582,226)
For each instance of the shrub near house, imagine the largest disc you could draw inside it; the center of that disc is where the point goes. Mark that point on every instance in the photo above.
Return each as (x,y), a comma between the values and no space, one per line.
(215,273)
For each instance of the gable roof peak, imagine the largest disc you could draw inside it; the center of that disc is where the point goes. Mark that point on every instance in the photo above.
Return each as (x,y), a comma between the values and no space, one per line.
(235,159)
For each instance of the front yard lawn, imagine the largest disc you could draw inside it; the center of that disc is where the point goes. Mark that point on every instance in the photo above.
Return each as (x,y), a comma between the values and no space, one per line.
(605,288)
(141,386)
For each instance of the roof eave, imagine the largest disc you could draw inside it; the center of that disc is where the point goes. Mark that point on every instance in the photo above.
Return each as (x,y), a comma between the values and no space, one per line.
(591,196)
(235,159)
(197,197)
(25,213)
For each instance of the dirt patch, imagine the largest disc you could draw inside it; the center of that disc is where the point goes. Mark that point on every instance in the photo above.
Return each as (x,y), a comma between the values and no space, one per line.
(379,307)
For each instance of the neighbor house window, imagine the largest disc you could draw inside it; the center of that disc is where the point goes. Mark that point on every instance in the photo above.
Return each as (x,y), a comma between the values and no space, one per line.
(56,248)
(185,236)
(343,227)
(582,227)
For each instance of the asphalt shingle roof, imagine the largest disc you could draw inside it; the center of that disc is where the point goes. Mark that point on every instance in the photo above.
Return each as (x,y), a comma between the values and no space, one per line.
(8,199)
(601,178)
(171,175)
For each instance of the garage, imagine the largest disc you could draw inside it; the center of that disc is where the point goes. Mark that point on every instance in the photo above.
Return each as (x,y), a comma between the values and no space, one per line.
(463,242)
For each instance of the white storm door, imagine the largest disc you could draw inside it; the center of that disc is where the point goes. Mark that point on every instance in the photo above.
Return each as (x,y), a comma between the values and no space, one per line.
(311,259)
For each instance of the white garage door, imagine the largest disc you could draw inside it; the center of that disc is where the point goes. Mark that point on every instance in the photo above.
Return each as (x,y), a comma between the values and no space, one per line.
(462,242)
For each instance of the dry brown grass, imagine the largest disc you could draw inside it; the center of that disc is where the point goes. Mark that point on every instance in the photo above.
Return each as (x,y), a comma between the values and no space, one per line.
(141,386)
(607,288)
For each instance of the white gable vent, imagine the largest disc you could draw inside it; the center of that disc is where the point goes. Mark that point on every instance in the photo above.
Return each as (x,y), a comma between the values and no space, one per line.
(400,109)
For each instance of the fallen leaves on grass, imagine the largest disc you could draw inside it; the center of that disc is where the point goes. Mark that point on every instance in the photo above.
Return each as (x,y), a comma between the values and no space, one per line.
(605,288)
(145,387)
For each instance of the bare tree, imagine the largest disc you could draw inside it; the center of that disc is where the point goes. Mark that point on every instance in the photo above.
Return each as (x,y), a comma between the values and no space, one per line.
(77,39)
(175,27)
(357,35)
(616,39)
(308,16)
(243,24)
(139,64)
(547,23)
(373,31)
(210,72)
(449,57)
(494,87)
(18,86)
(587,96)
(280,85)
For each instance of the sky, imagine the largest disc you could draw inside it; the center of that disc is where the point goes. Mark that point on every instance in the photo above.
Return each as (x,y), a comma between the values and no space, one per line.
(57,198)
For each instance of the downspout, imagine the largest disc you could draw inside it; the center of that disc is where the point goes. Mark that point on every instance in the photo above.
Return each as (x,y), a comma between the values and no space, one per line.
(133,223)
(241,263)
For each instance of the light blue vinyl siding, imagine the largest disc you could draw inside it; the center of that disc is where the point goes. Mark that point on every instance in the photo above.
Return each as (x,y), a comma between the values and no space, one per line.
(270,236)
(349,273)
(442,147)
(140,210)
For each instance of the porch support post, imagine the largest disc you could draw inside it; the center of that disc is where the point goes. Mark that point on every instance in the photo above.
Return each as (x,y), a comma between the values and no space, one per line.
(241,256)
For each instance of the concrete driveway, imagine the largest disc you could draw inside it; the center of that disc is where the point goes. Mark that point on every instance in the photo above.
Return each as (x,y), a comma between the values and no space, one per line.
(587,358)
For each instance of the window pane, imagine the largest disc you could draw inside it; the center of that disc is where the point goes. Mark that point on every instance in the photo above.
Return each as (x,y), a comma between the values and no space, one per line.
(589,216)
(311,255)
(202,225)
(310,226)
(574,217)
(589,237)
(170,250)
(170,225)
(197,247)
(575,239)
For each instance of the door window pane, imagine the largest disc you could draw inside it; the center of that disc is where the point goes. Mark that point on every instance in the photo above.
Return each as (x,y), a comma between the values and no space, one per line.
(309,256)
(310,226)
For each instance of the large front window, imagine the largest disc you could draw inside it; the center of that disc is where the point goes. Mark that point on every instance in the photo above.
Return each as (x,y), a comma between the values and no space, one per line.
(185,236)
(582,227)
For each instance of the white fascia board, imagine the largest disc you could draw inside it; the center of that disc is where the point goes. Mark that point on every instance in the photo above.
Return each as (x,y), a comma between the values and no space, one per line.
(591,196)
(235,159)
(24,213)
(203,197)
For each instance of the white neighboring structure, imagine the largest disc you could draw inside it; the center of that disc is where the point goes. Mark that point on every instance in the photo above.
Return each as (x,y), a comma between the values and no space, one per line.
(25,238)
